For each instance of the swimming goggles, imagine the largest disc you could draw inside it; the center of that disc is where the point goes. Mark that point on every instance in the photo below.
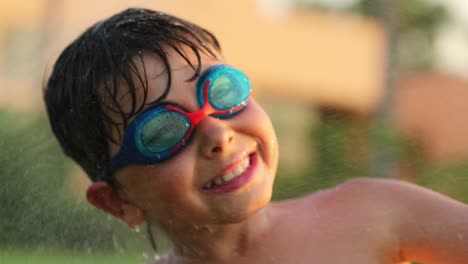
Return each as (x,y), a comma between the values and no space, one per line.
(161,131)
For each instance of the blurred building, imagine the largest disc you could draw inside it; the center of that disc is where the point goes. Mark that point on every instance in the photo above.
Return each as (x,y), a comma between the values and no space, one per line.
(431,108)
(23,41)
(324,60)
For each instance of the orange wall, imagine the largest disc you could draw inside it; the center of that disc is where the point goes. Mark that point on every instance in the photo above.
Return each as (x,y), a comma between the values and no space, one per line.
(24,12)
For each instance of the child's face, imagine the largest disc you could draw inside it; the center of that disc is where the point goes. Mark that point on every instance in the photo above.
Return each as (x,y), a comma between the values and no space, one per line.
(174,191)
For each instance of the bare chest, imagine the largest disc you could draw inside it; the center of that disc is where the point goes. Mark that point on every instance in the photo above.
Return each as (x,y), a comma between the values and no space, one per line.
(330,248)
(330,238)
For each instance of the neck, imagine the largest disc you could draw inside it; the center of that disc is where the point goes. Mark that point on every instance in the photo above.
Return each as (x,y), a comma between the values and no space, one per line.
(219,242)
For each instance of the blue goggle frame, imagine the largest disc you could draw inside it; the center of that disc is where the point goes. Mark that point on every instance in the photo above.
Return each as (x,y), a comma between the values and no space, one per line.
(222,91)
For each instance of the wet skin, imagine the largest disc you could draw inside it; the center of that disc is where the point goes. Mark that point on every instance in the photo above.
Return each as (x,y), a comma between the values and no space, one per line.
(362,221)
(172,194)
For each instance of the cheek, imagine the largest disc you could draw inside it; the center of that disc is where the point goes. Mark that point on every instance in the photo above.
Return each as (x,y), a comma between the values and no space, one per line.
(168,182)
(143,182)
(260,119)
(167,191)
(260,126)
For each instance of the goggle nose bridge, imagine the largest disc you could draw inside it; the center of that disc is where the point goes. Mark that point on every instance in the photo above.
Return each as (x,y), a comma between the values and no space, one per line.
(197,116)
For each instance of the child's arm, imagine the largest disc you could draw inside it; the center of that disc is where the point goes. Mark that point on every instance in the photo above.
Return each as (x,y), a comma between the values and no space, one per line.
(432,228)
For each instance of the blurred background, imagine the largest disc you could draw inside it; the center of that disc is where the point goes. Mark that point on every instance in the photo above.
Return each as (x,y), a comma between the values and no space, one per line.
(355,88)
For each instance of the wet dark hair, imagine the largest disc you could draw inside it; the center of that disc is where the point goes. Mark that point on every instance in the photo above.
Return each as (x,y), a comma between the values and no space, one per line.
(83,92)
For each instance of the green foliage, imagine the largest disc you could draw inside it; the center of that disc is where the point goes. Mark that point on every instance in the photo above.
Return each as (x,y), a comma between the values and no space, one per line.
(36,208)
(411,14)
(332,166)
(417,23)
(449,179)
(347,150)
(53,257)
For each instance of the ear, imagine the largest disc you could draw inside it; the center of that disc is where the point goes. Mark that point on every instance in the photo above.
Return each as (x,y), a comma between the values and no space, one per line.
(106,198)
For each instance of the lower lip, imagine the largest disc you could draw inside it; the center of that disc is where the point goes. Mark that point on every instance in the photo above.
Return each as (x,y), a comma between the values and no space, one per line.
(239,181)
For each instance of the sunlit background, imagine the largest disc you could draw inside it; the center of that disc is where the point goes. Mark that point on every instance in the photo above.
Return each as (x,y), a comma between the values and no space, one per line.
(355,88)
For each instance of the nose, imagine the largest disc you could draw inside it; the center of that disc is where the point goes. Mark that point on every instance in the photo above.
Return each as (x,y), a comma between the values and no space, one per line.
(216,137)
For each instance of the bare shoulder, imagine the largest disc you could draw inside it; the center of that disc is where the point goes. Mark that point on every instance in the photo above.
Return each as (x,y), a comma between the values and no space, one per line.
(403,220)
(372,197)
(398,200)
(429,226)
(388,189)
(359,189)
(358,195)
(375,185)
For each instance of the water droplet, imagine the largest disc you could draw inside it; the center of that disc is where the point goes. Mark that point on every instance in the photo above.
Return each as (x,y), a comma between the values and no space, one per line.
(116,244)
(209,229)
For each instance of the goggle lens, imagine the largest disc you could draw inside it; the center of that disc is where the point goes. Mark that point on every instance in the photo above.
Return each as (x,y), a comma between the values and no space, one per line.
(229,90)
(164,131)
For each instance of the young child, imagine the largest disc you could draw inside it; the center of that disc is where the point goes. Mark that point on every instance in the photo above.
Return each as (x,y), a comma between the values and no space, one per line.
(171,135)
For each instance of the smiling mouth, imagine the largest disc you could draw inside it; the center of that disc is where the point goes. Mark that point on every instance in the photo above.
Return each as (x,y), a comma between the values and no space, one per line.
(233,178)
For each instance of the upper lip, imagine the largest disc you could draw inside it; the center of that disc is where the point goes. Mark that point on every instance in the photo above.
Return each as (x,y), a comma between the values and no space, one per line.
(231,165)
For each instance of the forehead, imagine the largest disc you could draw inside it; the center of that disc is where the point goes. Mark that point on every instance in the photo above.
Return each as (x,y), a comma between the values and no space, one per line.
(151,77)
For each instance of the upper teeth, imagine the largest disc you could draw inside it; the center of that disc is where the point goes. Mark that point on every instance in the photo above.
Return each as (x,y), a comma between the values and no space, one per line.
(230,175)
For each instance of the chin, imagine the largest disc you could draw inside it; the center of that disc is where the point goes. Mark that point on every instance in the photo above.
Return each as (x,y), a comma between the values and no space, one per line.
(246,209)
